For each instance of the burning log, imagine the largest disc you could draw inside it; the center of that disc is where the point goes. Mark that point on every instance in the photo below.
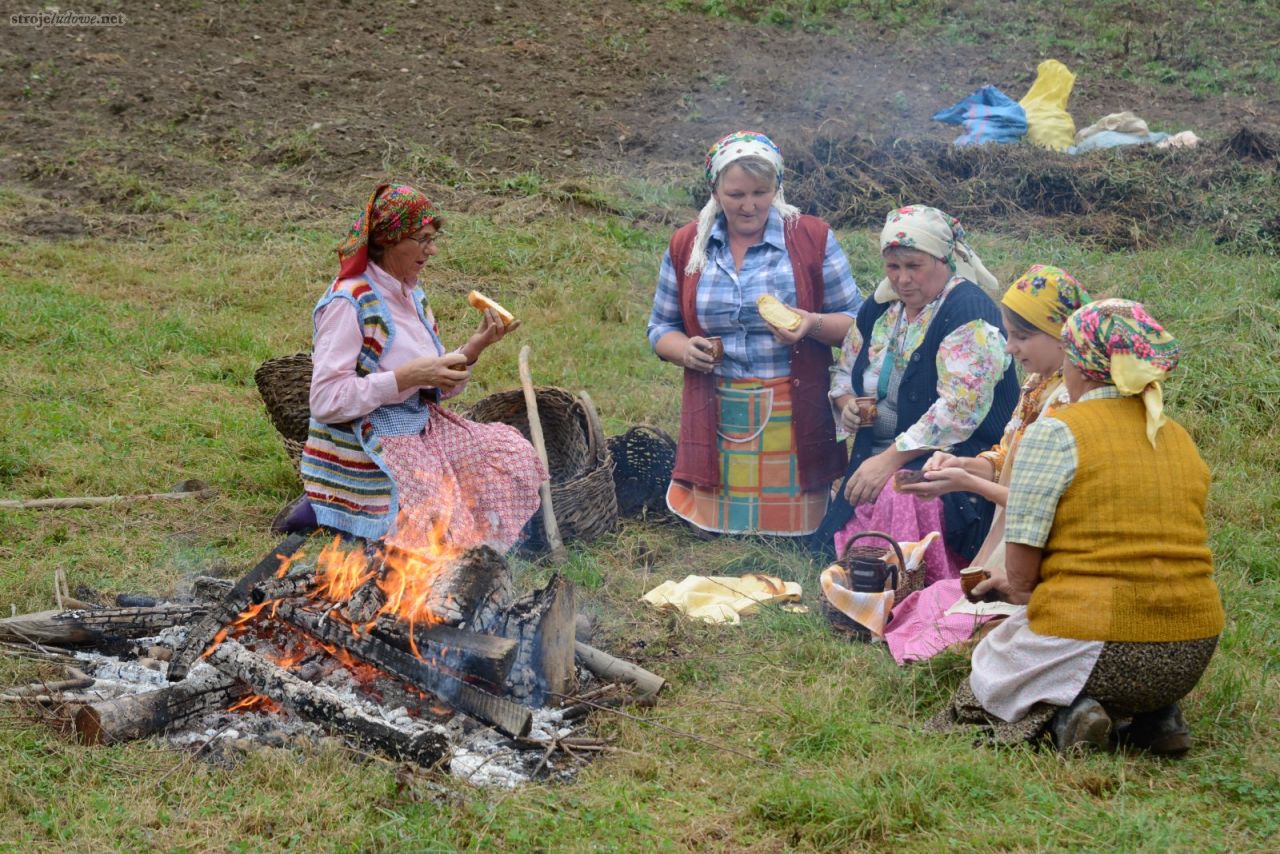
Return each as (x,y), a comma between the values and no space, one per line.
(542,624)
(139,715)
(426,747)
(507,717)
(612,669)
(486,657)
(464,591)
(366,602)
(236,600)
(282,588)
(83,628)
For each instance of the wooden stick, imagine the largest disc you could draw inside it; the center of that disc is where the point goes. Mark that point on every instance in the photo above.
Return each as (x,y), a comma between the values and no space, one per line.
(535,430)
(101,500)
(51,687)
(605,666)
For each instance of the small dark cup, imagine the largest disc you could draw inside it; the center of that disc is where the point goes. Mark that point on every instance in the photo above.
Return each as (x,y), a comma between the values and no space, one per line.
(906,477)
(971,578)
(866,410)
(717,348)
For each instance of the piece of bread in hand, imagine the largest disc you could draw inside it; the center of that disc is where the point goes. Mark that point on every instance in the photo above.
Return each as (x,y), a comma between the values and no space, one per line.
(482,302)
(777,314)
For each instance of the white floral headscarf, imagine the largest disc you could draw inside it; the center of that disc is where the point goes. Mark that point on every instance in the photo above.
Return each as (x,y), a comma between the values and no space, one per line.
(934,232)
(727,149)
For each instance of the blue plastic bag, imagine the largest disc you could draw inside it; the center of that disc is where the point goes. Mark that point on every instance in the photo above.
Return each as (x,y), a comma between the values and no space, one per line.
(988,115)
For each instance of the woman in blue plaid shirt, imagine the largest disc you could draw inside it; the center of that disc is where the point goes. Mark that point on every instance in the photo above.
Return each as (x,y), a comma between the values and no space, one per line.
(757,450)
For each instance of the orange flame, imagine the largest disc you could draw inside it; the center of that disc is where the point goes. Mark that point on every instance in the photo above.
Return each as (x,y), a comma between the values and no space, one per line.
(255,703)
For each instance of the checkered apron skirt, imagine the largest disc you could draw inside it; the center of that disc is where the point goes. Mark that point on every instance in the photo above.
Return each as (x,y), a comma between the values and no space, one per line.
(475,483)
(759,489)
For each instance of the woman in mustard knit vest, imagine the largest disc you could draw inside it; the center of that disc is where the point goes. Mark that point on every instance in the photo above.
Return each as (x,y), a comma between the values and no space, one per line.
(1106,545)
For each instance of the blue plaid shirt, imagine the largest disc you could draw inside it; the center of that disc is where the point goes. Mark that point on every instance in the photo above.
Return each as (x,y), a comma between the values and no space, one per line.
(727,299)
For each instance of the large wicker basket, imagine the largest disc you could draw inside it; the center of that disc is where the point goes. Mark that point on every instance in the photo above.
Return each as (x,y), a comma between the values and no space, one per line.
(582,491)
(285,385)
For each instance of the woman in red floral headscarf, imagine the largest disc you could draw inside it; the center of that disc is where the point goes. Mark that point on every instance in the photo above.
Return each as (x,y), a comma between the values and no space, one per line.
(383,459)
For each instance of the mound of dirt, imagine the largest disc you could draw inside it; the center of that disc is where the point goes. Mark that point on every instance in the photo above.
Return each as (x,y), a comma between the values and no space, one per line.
(1122,198)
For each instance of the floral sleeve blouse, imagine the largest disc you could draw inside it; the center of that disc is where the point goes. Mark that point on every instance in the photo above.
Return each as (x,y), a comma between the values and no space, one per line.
(970,362)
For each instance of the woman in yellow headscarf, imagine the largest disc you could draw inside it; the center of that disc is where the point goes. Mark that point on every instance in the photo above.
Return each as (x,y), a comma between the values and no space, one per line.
(1033,310)
(1106,544)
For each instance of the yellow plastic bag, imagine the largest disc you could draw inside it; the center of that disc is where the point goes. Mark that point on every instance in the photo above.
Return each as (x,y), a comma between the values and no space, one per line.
(1049,125)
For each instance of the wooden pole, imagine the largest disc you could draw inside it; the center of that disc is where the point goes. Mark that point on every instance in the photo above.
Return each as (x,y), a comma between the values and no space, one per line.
(535,430)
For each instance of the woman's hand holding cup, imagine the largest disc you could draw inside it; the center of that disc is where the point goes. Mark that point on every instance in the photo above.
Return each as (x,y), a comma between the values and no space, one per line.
(851,417)
(699,355)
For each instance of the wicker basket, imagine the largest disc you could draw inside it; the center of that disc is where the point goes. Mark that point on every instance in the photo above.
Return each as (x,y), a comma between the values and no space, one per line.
(907,582)
(285,385)
(582,491)
(643,458)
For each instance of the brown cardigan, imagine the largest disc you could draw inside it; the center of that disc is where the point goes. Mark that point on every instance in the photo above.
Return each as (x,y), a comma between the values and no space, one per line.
(819,458)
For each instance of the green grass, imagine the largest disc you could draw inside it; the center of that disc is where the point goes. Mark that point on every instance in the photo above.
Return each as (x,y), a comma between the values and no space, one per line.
(128,364)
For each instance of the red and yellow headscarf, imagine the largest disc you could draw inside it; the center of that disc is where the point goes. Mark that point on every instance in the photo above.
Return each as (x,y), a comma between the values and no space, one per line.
(1115,341)
(391,214)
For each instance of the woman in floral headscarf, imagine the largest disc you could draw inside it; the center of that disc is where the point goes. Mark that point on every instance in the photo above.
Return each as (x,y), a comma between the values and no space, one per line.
(1106,545)
(383,458)
(757,450)
(929,349)
(1034,309)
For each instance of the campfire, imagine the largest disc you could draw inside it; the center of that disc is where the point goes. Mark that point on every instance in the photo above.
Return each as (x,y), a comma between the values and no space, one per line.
(429,638)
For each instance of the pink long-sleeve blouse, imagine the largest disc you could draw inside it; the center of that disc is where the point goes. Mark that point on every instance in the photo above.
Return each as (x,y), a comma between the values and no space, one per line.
(338,395)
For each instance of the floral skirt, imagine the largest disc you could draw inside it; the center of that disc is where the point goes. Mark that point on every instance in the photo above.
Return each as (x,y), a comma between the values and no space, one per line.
(463,482)
(759,489)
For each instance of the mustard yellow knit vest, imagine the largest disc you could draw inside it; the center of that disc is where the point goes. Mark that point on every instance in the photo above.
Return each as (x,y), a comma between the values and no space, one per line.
(1127,557)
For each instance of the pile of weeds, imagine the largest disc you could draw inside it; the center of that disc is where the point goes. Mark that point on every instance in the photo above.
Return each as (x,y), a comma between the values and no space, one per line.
(1125,198)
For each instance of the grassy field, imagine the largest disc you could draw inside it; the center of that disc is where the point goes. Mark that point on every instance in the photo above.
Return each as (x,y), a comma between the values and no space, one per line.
(127,366)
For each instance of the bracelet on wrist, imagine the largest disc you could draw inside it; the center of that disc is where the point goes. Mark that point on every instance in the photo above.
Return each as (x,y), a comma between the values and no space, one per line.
(817,327)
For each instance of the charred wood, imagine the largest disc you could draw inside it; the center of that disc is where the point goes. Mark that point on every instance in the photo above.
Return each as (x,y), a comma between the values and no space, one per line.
(206,588)
(486,657)
(282,588)
(542,625)
(509,718)
(426,747)
(85,628)
(138,715)
(226,611)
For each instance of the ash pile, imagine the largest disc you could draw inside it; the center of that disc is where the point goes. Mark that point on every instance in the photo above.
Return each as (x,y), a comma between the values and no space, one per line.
(423,655)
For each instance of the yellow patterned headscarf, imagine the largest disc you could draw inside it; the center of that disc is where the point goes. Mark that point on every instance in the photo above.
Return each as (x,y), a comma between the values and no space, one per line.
(1045,297)
(1115,341)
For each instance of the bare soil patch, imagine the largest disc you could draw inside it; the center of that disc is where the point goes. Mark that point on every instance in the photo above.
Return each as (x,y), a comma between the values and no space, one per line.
(303,102)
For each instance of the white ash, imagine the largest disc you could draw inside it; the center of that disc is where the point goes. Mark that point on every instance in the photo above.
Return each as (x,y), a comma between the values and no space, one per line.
(486,758)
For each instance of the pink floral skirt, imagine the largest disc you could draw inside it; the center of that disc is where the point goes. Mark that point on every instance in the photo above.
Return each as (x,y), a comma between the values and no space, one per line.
(906,518)
(463,482)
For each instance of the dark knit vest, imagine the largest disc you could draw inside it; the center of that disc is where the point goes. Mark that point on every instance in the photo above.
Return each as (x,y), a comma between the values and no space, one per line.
(966,517)
(818,457)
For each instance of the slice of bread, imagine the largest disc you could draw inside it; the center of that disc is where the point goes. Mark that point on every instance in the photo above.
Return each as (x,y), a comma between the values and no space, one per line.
(777,314)
(482,302)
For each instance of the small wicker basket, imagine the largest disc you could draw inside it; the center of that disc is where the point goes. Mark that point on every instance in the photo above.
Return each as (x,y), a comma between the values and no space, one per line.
(643,458)
(582,490)
(905,582)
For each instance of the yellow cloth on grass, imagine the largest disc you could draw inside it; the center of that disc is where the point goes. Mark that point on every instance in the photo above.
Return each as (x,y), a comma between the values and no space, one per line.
(722,599)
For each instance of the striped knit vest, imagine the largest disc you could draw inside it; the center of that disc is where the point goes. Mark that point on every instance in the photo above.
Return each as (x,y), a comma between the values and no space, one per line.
(342,469)
(1128,558)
